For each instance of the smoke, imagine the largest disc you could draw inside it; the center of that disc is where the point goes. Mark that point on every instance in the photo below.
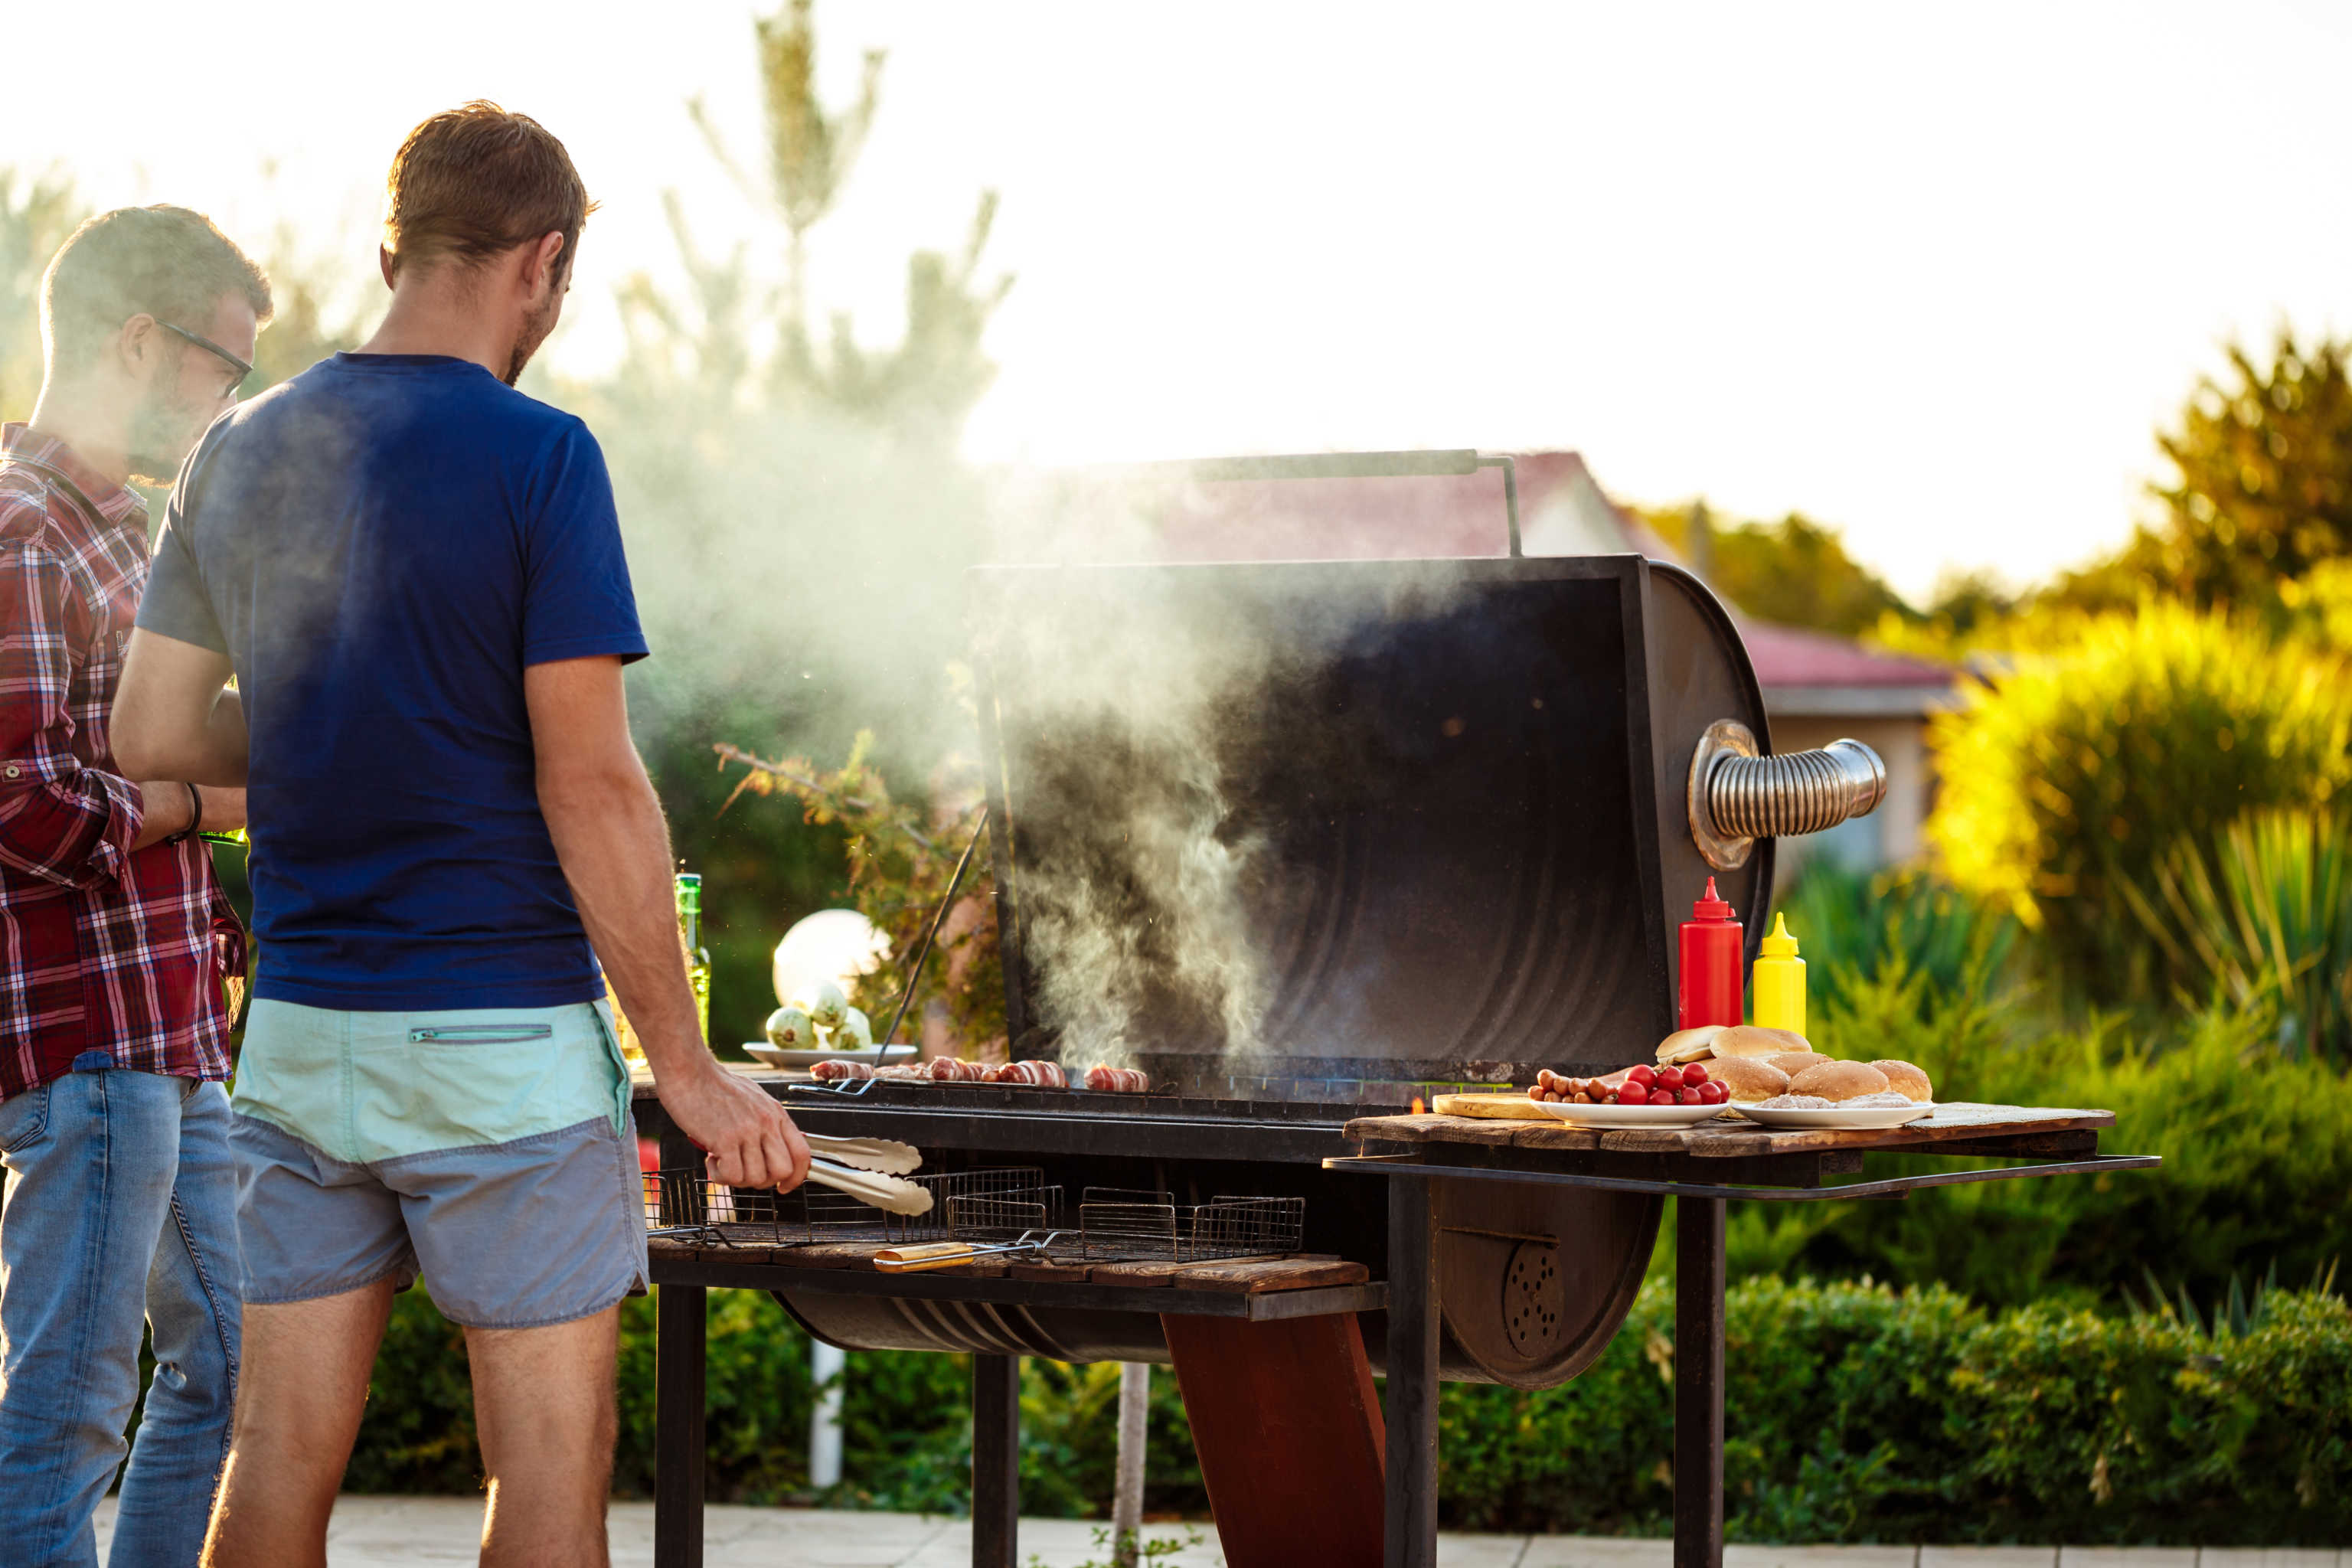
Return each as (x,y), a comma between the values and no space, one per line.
(803,579)
(1151,719)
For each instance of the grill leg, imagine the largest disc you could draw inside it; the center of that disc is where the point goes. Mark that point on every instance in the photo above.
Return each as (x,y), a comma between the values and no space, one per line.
(678,1341)
(996,1460)
(1699,1383)
(1410,1526)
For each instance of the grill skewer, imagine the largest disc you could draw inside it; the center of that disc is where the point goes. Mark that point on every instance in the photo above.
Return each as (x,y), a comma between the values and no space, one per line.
(948,1254)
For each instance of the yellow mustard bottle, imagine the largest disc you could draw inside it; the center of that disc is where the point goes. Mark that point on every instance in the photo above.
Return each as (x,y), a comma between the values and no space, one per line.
(1778,983)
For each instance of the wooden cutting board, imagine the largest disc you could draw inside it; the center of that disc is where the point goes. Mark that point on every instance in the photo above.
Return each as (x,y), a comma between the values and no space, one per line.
(1513,1107)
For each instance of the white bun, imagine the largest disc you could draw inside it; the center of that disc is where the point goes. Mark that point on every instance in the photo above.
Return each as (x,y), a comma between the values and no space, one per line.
(1688,1045)
(1906,1081)
(1839,1081)
(1748,1040)
(1747,1080)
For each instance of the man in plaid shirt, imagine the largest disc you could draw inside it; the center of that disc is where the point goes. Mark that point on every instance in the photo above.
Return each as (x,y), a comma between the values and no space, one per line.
(114,938)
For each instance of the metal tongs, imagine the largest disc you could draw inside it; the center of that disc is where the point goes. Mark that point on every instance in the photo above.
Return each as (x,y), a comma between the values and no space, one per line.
(886,1155)
(870,1170)
(948,1254)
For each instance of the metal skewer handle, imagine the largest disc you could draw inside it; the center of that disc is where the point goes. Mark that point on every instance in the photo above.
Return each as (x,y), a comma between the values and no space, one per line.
(948,1254)
(1737,796)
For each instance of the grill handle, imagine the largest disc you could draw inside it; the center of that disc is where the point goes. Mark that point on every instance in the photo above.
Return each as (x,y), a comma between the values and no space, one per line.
(1737,796)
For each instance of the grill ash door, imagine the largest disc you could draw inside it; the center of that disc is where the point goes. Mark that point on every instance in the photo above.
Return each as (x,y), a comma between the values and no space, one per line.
(1323,830)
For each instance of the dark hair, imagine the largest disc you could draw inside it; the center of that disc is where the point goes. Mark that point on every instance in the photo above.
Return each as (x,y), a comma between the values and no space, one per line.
(164,261)
(474,181)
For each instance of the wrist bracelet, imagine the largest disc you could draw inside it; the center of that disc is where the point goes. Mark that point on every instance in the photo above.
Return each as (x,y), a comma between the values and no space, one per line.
(195,815)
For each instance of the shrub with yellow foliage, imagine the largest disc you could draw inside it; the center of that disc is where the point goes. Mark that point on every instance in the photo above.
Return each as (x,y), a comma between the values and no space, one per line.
(2066,779)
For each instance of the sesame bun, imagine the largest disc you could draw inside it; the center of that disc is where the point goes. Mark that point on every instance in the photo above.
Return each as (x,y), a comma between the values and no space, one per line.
(1747,1080)
(1794,1062)
(1839,1080)
(1906,1081)
(1748,1040)
(1688,1045)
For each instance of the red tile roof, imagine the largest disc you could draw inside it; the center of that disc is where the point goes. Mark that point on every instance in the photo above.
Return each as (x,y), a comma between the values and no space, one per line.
(1792,655)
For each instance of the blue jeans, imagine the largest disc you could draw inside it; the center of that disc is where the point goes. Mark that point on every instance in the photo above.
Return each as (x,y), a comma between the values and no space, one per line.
(115,1179)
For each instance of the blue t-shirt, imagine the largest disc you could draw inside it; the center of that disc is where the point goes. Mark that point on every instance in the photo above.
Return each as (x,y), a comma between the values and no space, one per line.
(381,546)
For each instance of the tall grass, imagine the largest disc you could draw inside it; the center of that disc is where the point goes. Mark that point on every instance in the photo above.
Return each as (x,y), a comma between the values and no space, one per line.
(1857,926)
(2261,918)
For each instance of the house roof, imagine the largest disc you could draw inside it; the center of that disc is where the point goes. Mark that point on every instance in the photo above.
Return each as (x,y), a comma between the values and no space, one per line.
(1562,511)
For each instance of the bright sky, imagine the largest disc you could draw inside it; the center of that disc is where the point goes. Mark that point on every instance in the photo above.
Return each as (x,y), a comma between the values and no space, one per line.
(1932,274)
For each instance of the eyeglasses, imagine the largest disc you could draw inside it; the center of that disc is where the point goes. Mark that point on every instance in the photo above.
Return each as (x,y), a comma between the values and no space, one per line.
(210,347)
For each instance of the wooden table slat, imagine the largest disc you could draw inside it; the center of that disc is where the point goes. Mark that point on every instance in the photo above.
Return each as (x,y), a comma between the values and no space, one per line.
(1954,1121)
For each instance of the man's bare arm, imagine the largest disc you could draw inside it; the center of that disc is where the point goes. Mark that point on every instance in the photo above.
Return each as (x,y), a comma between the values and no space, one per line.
(172,717)
(613,845)
(166,808)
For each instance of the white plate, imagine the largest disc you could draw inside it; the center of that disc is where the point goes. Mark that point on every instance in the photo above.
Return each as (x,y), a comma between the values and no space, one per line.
(1854,1118)
(776,1056)
(1629,1115)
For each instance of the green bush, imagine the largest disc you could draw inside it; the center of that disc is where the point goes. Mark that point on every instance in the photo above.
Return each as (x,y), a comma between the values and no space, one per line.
(1853,1412)
(2076,770)
(906,1419)
(1857,1413)
(2257,1149)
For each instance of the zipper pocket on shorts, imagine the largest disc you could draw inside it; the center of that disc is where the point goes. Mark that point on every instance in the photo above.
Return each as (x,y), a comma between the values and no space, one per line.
(480,1034)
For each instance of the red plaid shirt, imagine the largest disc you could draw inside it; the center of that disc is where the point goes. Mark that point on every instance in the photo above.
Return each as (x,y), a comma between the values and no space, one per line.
(102,949)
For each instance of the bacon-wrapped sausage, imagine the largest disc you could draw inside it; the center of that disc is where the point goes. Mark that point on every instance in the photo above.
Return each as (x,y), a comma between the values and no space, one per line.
(905,1072)
(1031,1074)
(1118,1081)
(840,1072)
(955,1070)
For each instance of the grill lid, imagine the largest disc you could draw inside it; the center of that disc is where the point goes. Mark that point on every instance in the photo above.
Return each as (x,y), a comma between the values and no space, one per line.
(1270,831)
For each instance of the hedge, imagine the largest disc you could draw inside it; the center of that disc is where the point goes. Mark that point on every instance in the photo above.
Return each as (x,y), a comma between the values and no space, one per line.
(2257,1154)
(1856,1413)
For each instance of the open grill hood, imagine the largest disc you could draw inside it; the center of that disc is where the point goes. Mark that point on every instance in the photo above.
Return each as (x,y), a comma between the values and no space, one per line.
(1325,831)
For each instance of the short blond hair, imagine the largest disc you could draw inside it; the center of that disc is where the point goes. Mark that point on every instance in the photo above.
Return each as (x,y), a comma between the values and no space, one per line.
(163,261)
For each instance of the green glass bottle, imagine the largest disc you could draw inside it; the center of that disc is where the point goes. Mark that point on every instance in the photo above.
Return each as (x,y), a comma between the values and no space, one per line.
(698,957)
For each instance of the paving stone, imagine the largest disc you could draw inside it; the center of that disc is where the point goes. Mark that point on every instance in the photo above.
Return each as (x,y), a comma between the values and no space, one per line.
(1821,1557)
(2128,1557)
(1596,1552)
(2267,1557)
(1992,1557)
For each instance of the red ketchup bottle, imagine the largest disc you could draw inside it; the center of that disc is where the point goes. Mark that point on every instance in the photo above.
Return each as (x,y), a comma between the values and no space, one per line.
(1711,948)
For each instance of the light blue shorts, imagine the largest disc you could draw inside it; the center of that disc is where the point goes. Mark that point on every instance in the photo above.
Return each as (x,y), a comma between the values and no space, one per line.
(489,1150)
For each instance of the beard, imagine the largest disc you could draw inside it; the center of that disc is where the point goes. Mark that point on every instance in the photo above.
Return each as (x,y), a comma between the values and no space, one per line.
(535,329)
(162,432)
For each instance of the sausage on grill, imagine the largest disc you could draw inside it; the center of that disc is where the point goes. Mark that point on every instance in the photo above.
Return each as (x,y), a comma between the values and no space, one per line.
(840,1072)
(1118,1081)
(1034,1074)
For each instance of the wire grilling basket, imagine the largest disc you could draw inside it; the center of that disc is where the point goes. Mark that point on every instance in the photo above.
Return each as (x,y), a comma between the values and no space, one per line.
(1119,1225)
(688,1205)
(996,1211)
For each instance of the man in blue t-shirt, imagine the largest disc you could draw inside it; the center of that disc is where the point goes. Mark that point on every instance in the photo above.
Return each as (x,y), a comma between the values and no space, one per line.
(415,573)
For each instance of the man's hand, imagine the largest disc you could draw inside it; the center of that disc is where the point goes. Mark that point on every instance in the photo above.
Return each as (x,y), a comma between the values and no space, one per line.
(749,1140)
